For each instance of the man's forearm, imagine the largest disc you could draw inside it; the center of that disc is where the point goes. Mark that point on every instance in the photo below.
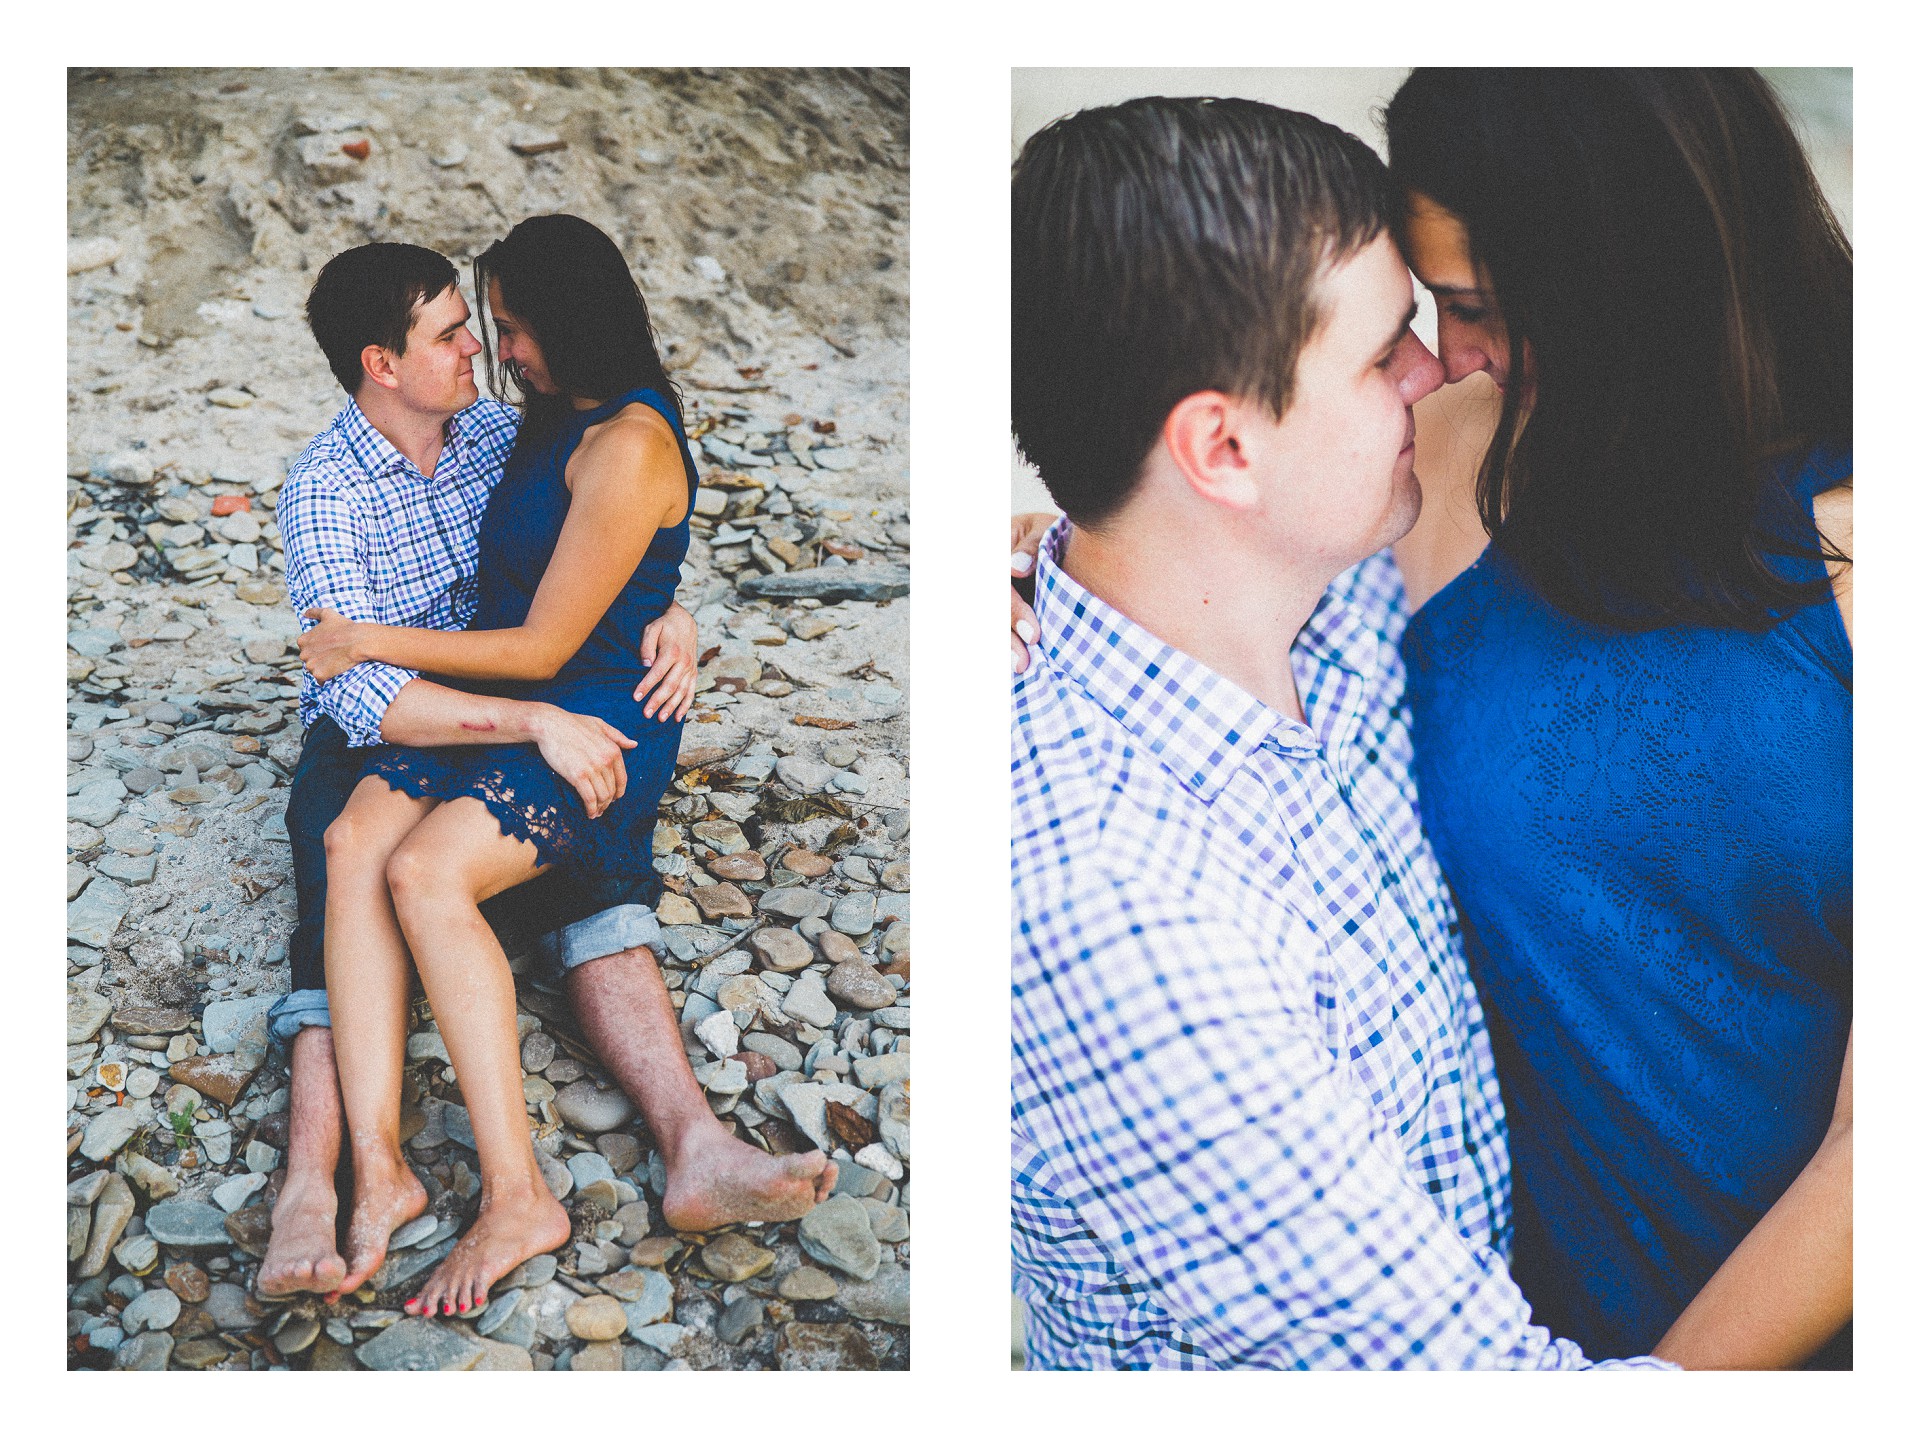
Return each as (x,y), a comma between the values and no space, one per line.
(428,714)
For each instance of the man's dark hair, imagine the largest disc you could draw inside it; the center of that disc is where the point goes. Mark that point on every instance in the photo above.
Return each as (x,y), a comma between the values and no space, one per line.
(367,296)
(1678,305)
(1163,247)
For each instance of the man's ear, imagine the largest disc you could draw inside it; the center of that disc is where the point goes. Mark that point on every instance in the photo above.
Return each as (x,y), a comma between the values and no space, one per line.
(1205,435)
(377,364)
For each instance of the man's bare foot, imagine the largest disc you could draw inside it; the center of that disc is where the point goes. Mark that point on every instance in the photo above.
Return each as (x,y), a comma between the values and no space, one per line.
(509,1231)
(302,1256)
(385,1195)
(716,1179)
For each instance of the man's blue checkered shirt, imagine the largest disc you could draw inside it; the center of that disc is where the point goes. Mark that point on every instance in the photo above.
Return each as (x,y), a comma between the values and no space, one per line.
(1255,1122)
(370,536)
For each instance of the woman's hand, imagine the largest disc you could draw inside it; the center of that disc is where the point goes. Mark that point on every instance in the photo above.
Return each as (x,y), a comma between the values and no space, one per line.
(670,648)
(1027,530)
(331,646)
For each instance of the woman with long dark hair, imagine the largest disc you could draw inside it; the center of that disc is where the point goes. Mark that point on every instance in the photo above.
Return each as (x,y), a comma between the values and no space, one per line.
(1633,707)
(580,549)
(1630,675)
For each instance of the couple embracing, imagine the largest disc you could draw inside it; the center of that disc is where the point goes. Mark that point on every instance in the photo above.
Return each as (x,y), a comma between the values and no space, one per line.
(1432,948)
(495,680)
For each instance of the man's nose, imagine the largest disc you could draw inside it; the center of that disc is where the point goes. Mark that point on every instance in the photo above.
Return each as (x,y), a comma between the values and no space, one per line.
(468,344)
(1420,373)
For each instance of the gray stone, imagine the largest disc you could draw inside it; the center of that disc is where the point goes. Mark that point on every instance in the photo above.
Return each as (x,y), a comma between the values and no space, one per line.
(86,1011)
(128,868)
(739,1318)
(832,584)
(893,1113)
(500,1307)
(98,803)
(94,918)
(147,1353)
(807,1001)
(416,1345)
(589,1168)
(785,1056)
(650,1300)
(805,776)
(187,1223)
(137,1254)
(795,903)
(107,1133)
(663,1337)
(881,1299)
(878,1070)
(719,1033)
(156,1308)
(403,1267)
(234,1193)
(85,1189)
(853,913)
(231,1308)
(593,1109)
(839,1233)
(412,1235)
(536,1272)
(807,1102)
(226,1021)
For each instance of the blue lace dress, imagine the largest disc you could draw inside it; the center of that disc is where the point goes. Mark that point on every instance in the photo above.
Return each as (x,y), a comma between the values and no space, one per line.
(517,537)
(1650,838)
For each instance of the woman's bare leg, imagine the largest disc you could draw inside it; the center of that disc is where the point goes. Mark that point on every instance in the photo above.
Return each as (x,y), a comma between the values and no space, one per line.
(455,858)
(368,983)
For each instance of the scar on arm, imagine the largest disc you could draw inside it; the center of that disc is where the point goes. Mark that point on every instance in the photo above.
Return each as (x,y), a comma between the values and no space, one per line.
(479,726)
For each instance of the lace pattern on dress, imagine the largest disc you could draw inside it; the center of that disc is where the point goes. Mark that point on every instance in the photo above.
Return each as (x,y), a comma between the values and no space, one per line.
(557,836)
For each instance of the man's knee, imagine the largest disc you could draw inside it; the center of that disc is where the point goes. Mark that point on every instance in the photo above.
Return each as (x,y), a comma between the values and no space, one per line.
(603,969)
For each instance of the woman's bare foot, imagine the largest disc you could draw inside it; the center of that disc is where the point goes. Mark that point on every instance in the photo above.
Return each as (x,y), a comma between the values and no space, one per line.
(385,1195)
(716,1179)
(511,1229)
(302,1255)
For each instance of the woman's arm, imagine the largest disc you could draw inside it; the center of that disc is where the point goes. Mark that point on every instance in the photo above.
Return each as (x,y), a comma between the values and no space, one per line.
(1788,1287)
(628,482)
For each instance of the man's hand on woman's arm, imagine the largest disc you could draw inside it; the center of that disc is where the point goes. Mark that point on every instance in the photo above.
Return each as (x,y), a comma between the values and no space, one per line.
(1788,1287)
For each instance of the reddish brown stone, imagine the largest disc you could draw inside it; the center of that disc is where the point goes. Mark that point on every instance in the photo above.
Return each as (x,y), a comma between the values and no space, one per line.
(250,1228)
(237,503)
(359,149)
(221,1077)
(189,1282)
(654,1252)
(152,1021)
(837,948)
(723,901)
(806,863)
(738,866)
(758,1066)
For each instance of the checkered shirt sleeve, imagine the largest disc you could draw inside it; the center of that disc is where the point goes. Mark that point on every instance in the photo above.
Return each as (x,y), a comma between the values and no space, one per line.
(368,536)
(1232,1146)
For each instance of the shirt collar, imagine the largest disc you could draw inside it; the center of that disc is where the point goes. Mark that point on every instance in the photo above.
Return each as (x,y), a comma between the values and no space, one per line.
(375,452)
(1198,724)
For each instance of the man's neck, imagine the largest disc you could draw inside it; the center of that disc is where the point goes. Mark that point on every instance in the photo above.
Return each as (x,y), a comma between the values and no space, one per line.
(1236,612)
(418,434)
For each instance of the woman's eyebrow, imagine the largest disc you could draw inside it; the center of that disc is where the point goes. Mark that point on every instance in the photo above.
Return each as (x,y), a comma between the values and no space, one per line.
(1452,291)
